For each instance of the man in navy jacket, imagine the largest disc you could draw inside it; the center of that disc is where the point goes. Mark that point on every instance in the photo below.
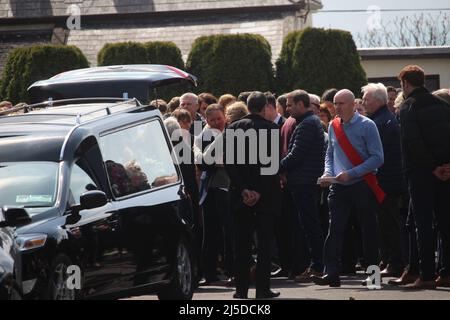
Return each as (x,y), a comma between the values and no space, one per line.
(303,165)
(390,177)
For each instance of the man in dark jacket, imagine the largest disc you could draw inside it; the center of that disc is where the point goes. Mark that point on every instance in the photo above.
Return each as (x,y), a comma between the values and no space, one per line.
(272,113)
(259,191)
(390,178)
(303,165)
(425,132)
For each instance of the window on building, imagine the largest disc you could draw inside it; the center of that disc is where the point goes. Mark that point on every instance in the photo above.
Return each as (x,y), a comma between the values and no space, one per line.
(432,82)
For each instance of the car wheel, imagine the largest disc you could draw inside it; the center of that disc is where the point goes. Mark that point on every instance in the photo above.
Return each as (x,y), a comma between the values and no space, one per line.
(10,291)
(57,283)
(181,286)
(14,293)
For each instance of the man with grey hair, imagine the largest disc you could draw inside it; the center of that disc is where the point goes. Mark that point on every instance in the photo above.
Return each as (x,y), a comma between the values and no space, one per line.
(378,96)
(390,177)
(314,103)
(189,102)
(187,167)
(172,125)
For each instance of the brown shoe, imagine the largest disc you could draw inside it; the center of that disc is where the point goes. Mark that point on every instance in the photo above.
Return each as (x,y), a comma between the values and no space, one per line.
(305,277)
(443,282)
(405,279)
(419,284)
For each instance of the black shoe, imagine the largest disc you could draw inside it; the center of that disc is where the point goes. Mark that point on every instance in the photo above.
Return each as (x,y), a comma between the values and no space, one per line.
(239,295)
(208,282)
(326,280)
(230,282)
(268,295)
(279,273)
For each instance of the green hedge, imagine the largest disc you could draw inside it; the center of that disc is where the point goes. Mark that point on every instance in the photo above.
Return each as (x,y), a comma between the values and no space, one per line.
(162,52)
(122,53)
(285,76)
(317,59)
(231,63)
(157,52)
(25,65)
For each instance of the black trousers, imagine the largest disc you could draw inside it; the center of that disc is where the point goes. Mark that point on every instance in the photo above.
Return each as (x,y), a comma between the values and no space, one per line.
(291,248)
(391,224)
(305,199)
(352,251)
(246,222)
(413,253)
(218,233)
(342,200)
(430,195)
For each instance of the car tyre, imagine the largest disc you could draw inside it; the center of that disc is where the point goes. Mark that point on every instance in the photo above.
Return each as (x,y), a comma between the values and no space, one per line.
(57,280)
(182,284)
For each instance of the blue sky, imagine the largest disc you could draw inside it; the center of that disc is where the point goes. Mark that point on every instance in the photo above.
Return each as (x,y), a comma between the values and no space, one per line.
(357,21)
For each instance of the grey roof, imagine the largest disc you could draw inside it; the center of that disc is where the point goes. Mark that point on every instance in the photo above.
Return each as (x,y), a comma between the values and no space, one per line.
(404,53)
(45,8)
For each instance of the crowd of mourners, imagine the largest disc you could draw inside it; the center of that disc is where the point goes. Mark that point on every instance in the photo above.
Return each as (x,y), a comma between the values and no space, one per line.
(360,182)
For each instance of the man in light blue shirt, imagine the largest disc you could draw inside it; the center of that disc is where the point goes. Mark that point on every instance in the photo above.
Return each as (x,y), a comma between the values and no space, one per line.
(350,192)
(364,137)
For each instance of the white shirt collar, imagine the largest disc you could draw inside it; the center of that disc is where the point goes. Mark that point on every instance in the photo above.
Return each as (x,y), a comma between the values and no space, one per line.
(277,119)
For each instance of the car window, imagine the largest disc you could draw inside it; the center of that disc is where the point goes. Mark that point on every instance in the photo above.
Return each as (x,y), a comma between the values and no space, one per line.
(80,182)
(137,159)
(29,184)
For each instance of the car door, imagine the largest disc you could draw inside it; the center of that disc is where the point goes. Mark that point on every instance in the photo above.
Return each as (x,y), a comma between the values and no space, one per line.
(98,235)
(141,172)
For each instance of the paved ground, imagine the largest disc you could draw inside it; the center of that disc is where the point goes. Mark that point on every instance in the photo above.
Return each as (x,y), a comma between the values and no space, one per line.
(351,289)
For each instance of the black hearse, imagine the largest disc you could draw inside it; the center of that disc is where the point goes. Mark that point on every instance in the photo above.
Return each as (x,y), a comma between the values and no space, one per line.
(89,189)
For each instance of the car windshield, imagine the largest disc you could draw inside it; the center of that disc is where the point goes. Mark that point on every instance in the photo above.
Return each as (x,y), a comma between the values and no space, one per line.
(28,184)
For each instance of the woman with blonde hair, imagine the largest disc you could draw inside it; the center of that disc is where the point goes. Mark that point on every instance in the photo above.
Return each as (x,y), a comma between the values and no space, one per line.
(236,111)
(226,100)
(398,102)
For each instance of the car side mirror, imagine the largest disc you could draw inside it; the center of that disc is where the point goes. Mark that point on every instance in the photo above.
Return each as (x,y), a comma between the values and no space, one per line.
(93,199)
(14,217)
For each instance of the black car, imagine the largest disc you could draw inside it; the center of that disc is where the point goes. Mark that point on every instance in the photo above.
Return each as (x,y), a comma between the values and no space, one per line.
(135,81)
(94,202)
(9,288)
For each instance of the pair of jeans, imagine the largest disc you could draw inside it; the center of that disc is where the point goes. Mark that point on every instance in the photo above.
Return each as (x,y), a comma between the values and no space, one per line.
(342,200)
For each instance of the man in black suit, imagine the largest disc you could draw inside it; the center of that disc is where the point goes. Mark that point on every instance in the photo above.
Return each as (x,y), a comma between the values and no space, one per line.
(257,185)
(281,253)
(272,113)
